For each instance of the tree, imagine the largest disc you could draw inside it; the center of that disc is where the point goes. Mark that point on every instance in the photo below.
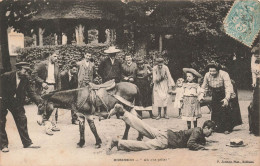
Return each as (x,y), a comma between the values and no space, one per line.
(15,14)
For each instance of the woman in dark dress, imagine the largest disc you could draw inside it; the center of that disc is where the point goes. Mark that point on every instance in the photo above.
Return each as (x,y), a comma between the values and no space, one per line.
(143,82)
(225,108)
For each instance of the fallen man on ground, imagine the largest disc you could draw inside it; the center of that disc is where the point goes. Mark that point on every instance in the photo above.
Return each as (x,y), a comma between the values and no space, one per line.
(194,138)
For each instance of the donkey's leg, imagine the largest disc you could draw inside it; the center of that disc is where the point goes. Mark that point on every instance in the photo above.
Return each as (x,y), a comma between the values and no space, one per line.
(94,131)
(81,131)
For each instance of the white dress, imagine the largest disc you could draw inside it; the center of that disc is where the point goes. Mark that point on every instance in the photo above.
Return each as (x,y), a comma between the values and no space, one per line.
(161,84)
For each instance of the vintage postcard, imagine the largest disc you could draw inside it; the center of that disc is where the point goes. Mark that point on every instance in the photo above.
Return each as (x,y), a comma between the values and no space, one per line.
(129,82)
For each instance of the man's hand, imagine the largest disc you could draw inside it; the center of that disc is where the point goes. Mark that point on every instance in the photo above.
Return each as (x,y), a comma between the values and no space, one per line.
(200,98)
(225,102)
(39,120)
(254,85)
(44,85)
(126,78)
(131,79)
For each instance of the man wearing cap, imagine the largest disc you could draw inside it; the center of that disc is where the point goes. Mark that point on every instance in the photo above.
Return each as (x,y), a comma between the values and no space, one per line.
(15,86)
(163,82)
(47,79)
(87,71)
(69,80)
(111,67)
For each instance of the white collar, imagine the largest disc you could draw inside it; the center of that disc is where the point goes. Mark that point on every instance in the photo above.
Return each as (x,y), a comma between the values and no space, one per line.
(129,64)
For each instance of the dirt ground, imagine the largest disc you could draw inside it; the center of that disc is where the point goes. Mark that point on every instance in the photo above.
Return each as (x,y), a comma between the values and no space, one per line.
(61,149)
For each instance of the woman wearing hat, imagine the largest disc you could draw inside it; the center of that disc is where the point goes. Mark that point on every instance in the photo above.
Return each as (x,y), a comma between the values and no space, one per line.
(143,82)
(162,81)
(190,97)
(219,82)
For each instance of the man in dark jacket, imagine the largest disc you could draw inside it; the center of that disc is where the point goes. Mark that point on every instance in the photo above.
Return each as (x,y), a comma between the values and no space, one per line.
(111,67)
(194,139)
(69,80)
(15,86)
(47,79)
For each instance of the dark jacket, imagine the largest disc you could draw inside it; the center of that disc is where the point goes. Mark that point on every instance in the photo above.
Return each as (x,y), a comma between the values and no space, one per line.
(193,139)
(66,83)
(40,74)
(107,71)
(15,97)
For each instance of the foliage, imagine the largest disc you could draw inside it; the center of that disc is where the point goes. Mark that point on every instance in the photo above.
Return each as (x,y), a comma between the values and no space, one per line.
(19,12)
(28,41)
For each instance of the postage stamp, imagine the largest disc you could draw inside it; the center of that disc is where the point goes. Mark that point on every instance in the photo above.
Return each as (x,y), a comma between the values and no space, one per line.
(243,21)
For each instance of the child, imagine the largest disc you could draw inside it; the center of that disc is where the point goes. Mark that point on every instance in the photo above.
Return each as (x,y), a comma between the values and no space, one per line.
(177,102)
(189,97)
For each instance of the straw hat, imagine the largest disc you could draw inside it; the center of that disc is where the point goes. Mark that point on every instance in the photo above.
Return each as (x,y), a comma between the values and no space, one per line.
(112,50)
(190,70)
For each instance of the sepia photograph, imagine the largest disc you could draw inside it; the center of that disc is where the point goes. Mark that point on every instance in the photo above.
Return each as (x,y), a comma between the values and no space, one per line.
(129,82)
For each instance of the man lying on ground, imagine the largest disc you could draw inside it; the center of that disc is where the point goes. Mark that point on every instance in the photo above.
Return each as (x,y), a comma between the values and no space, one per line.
(194,139)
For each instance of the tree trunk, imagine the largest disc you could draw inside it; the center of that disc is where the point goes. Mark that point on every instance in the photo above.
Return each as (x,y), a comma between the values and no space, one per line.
(107,36)
(59,38)
(79,34)
(160,43)
(85,34)
(4,51)
(34,39)
(101,35)
(55,39)
(41,31)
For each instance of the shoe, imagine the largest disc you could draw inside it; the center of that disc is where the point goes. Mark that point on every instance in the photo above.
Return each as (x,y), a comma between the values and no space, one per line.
(166,117)
(179,117)
(49,132)
(55,128)
(112,142)
(75,122)
(226,132)
(5,149)
(158,117)
(152,116)
(33,146)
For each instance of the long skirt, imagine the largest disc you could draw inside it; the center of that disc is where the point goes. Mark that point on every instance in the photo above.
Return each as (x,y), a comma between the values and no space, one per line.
(145,90)
(221,115)
(253,111)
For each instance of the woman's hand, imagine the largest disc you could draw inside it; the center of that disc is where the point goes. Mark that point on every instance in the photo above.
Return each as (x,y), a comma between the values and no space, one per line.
(225,102)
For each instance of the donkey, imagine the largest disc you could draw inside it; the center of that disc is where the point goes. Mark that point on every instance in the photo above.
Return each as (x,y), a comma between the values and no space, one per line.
(87,101)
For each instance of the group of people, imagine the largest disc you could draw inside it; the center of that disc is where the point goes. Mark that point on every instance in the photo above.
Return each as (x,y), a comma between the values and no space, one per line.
(154,84)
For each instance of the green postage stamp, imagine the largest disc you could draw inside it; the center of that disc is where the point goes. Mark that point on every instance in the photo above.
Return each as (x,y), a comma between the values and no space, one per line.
(243,21)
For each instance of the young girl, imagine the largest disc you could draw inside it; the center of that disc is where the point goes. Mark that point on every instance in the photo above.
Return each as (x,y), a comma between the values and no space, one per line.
(190,95)
(177,102)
